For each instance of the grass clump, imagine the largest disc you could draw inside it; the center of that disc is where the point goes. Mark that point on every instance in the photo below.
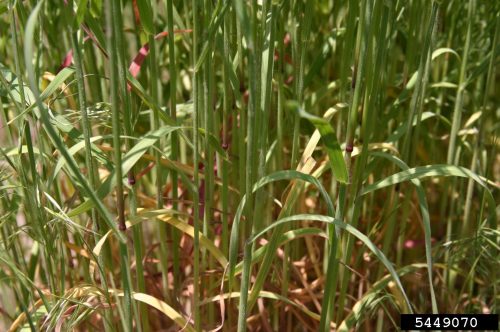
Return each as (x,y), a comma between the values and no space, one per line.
(260,165)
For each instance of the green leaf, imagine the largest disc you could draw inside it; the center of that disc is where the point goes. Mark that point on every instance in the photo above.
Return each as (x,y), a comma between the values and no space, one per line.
(81,11)
(169,217)
(212,140)
(277,176)
(51,131)
(426,221)
(329,140)
(95,26)
(79,146)
(359,311)
(96,8)
(266,295)
(444,85)
(148,100)
(402,128)
(128,161)
(146,15)
(215,22)
(13,89)
(59,79)
(61,76)
(360,236)
(3,7)
(444,50)
(293,234)
(435,170)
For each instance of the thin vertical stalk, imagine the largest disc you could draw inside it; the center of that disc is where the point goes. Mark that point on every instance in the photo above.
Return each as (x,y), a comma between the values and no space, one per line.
(419,93)
(227,106)
(131,307)
(17,254)
(377,49)
(280,102)
(242,120)
(112,50)
(44,116)
(159,176)
(113,14)
(196,212)
(265,107)
(444,69)
(455,126)
(91,169)
(332,267)
(28,52)
(412,135)
(36,215)
(94,83)
(249,31)
(479,139)
(457,110)
(208,126)
(174,137)
(85,119)
(300,40)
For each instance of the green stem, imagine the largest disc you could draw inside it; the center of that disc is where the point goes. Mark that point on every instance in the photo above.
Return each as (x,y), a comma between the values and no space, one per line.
(196,213)
(455,126)
(174,137)
(113,14)
(91,169)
